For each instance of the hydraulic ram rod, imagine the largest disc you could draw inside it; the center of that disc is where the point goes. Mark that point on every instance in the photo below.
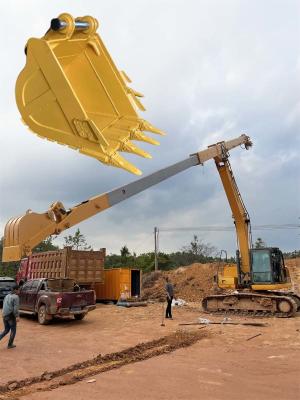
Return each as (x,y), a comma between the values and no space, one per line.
(58,24)
(23,233)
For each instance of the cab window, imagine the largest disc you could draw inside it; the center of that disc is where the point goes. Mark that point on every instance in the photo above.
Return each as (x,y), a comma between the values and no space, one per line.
(35,285)
(261,266)
(279,273)
(26,286)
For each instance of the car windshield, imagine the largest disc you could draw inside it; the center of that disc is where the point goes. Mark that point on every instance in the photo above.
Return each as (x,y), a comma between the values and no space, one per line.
(6,284)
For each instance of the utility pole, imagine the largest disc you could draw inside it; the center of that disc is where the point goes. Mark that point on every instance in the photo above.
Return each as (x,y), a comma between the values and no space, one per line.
(156,231)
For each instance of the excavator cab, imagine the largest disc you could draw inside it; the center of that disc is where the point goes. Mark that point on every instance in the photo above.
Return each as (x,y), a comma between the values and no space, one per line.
(71,92)
(267,267)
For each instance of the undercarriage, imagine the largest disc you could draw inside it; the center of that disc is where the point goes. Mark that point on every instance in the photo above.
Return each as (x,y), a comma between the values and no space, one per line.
(278,304)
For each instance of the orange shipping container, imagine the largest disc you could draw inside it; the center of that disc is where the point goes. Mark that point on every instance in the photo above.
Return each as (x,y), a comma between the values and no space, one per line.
(117,281)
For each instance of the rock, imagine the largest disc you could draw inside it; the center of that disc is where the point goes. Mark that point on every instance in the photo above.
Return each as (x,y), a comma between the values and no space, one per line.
(47,377)
(13,385)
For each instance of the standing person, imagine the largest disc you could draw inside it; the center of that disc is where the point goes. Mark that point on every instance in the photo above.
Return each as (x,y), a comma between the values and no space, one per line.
(10,315)
(170,294)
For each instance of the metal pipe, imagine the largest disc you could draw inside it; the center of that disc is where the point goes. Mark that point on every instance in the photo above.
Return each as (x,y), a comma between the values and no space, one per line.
(156,248)
(238,267)
(57,24)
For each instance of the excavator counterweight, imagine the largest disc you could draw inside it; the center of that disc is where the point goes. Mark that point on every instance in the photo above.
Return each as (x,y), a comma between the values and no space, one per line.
(71,92)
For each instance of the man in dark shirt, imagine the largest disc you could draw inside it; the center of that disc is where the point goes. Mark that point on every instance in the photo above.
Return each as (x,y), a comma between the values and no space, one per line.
(170,295)
(10,314)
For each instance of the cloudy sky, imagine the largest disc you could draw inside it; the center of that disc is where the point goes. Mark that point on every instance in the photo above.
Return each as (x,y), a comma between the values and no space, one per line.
(210,70)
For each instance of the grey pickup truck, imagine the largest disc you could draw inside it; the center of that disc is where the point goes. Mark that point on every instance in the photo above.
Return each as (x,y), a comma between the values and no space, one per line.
(6,283)
(48,298)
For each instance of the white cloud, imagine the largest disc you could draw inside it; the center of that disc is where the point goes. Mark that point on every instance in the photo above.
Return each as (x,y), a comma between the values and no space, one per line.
(209,70)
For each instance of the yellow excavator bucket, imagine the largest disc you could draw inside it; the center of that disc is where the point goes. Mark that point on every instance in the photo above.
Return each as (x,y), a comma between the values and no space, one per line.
(71,92)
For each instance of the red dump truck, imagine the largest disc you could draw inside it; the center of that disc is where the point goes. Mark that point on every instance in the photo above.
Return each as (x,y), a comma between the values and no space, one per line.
(85,267)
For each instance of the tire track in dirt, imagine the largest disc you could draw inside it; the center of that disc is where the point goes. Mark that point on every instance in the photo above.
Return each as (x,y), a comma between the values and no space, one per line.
(13,390)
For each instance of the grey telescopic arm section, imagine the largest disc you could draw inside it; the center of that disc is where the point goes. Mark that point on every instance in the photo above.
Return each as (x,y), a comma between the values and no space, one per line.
(219,149)
(124,192)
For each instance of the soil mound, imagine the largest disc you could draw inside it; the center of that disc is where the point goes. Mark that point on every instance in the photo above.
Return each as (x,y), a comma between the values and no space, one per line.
(195,281)
(191,283)
(293,265)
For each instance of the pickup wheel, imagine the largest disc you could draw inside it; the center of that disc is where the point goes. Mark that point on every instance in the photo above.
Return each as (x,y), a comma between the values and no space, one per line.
(43,317)
(79,317)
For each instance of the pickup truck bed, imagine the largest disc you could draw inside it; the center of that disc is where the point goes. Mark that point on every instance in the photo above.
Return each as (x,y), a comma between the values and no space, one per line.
(39,298)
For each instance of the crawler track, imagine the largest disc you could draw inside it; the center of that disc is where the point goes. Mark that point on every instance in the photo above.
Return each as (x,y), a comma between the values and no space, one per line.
(251,304)
(77,372)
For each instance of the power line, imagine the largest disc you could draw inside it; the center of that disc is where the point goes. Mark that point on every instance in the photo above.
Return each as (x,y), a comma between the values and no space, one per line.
(215,228)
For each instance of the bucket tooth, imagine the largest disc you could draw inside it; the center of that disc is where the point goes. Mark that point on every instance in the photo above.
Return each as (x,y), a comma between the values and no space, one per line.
(138,135)
(118,161)
(129,147)
(115,160)
(146,126)
(137,94)
(125,77)
(136,101)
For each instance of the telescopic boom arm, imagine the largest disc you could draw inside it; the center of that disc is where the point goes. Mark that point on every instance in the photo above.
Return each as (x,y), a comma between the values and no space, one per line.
(23,233)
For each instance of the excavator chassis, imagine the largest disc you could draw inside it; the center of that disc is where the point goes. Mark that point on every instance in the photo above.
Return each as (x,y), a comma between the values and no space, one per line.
(252,303)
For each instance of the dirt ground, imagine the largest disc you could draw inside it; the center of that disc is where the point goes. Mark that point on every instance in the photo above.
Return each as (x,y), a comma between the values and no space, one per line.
(218,364)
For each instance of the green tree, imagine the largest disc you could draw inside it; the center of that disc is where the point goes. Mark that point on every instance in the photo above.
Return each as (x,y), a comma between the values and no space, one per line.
(164,262)
(292,254)
(77,241)
(259,243)
(45,245)
(113,261)
(199,249)
(145,262)
(7,269)
(125,253)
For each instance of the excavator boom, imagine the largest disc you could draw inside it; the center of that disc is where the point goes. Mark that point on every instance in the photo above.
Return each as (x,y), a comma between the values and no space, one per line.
(240,216)
(23,233)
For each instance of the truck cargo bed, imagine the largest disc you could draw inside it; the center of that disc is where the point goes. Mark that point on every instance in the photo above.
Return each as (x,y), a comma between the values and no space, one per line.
(85,267)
